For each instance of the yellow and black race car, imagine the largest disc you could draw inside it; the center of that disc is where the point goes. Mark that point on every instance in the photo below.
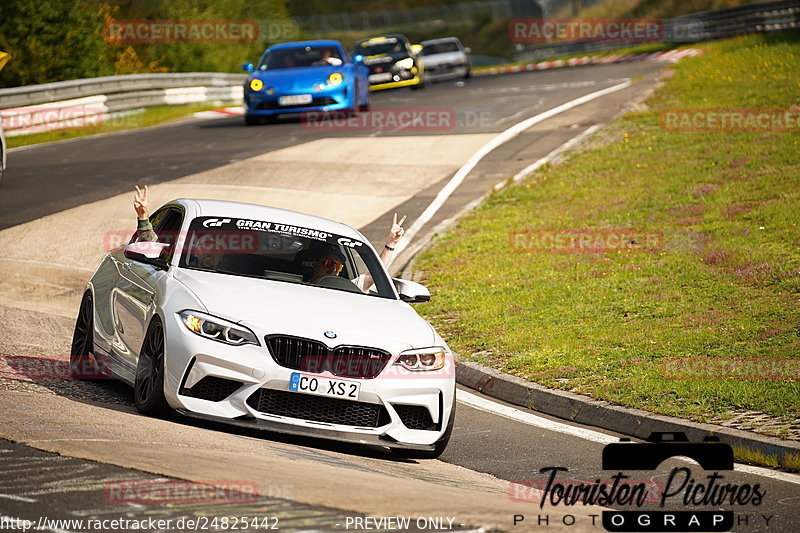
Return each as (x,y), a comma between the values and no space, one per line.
(392,61)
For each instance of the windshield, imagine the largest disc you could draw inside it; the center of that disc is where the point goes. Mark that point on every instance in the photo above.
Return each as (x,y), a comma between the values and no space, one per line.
(301,56)
(285,253)
(442,47)
(384,46)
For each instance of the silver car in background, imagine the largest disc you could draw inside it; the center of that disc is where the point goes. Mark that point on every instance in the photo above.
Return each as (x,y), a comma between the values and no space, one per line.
(444,58)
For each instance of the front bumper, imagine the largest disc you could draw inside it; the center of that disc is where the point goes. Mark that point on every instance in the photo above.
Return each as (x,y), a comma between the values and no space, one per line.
(341,436)
(258,103)
(416,80)
(249,370)
(446,71)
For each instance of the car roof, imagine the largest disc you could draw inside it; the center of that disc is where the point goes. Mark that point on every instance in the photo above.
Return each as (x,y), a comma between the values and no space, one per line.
(224,208)
(440,40)
(318,42)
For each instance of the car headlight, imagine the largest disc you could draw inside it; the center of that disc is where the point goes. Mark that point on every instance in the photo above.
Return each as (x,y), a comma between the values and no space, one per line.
(256,84)
(335,78)
(421,360)
(217,329)
(406,63)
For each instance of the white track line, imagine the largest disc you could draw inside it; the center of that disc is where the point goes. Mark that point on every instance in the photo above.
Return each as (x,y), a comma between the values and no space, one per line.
(17,498)
(501,138)
(531,419)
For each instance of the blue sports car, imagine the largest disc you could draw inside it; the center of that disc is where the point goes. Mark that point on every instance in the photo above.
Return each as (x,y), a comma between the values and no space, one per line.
(306,76)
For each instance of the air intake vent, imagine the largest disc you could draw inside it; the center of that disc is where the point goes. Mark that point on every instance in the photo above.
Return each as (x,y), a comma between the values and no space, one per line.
(212,388)
(318,408)
(416,417)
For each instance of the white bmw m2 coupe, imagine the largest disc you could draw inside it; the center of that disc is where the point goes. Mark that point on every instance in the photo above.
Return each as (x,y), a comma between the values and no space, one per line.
(270,318)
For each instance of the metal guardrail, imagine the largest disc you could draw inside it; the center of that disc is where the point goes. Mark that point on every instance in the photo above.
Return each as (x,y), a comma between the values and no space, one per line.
(758,17)
(67,90)
(89,101)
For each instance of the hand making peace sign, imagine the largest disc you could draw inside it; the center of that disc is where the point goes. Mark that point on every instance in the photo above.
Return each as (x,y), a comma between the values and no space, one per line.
(140,202)
(397,230)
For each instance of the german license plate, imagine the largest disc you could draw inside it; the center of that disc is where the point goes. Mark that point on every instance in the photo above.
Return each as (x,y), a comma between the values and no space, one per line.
(336,388)
(295,99)
(383,76)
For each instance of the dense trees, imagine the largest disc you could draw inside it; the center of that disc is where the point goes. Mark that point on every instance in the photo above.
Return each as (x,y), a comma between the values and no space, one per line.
(52,40)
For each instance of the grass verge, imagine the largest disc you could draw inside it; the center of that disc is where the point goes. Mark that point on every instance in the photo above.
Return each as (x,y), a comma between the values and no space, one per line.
(703,325)
(151,116)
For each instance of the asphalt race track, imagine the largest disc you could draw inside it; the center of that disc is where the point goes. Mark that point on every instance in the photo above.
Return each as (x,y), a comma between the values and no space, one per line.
(65,445)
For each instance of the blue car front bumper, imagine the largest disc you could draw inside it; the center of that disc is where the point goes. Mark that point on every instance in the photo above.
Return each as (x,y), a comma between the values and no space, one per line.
(259,103)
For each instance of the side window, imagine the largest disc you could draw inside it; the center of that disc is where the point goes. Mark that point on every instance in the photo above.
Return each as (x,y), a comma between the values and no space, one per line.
(356,265)
(167,228)
(157,217)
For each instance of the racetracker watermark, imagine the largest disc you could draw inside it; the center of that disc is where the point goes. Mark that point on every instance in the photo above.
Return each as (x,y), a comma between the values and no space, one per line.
(182,31)
(208,242)
(586,241)
(405,118)
(159,492)
(570,30)
(730,120)
(738,368)
(201,31)
(35,119)
(44,368)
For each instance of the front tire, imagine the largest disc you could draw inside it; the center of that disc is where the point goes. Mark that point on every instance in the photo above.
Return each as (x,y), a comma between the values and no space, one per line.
(81,363)
(148,389)
(438,446)
(252,120)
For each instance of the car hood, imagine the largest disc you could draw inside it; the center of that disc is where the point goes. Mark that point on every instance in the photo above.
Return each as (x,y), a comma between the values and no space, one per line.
(385,58)
(274,307)
(288,79)
(443,58)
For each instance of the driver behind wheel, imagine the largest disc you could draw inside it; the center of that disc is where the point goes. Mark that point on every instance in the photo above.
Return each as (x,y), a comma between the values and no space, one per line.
(330,263)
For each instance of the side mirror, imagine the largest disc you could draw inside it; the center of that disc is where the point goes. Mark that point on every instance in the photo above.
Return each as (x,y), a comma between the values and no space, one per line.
(411,292)
(358,59)
(416,49)
(248,67)
(467,50)
(149,253)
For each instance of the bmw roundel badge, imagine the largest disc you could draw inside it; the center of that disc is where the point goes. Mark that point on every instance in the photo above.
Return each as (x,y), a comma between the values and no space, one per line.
(330,334)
